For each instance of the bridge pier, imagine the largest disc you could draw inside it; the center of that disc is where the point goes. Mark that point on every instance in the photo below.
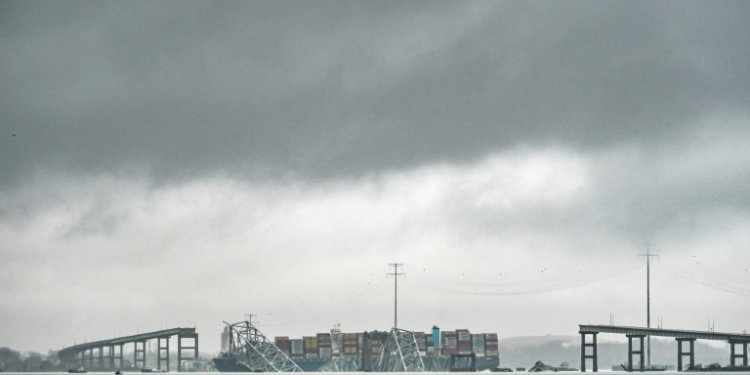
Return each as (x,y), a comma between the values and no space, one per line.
(142,351)
(101,357)
(639,352)
(593,355)
(181,346)
(111,358)
(690,353)
(120,364)
(734,355)
(91,358)
(162,357)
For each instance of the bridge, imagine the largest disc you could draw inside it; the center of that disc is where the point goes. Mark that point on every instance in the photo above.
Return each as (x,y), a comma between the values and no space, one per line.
(108,354)
(681,336)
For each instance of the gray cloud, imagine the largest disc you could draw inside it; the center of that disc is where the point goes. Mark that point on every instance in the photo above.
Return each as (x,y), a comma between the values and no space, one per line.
(189,89)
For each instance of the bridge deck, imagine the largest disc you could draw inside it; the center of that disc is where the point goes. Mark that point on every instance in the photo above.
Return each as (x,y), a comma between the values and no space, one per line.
(703,335)
(127,339)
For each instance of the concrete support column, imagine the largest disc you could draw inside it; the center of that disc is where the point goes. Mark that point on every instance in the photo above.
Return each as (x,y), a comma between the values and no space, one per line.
(181,346)
(101,357)
(120,356)
(593,356)
(111,362)
(734,355)
(681,353)
(139,354)
(631,352)
(162,354)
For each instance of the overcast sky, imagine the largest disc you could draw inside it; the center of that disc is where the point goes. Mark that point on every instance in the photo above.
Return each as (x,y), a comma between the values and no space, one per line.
(182,163)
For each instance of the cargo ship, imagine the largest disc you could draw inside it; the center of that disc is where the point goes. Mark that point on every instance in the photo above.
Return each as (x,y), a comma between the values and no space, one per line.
(310,353)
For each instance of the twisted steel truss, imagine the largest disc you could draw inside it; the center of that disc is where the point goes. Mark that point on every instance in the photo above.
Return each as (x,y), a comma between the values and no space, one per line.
(250,348)
(339,362)
(399,353)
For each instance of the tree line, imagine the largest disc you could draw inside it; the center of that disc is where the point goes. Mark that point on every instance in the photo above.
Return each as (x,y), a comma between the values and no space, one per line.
(15,361)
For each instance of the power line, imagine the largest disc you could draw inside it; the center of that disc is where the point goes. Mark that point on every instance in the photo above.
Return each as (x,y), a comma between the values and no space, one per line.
(705,282)
(548,278)
(521,291)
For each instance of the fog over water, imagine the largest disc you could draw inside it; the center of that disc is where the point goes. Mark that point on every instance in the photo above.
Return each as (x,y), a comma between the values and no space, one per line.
(180,163)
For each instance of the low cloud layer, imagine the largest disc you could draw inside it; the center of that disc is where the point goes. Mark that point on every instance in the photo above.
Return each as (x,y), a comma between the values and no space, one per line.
(545,226)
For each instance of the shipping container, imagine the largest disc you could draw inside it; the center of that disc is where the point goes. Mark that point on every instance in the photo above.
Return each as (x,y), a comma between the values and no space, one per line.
(419,337)
(430,351)
(463,335)
(324,339)
(311,344)
(283,343)
(350,344)
(464,347)
(296,347)
(324,352)
(490,345)
(477,344)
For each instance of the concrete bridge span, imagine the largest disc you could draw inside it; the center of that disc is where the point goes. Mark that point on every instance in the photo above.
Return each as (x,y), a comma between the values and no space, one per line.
(108,354)
(738,343)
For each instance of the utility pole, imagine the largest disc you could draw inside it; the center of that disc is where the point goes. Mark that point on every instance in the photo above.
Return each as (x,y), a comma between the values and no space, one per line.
(395,268)
(648,256)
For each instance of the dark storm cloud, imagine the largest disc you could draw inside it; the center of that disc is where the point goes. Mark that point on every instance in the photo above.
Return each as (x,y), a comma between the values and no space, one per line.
(185,89)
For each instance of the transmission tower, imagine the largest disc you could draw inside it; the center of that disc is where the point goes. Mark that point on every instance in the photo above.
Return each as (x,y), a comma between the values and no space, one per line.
(395,267)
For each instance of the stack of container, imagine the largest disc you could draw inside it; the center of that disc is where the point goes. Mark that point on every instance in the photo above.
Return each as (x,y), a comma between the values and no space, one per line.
(311,346)
(351,344)
(420,338)
(296,348)
(490,345)
(430,350)
(324,345)
(477,344)
(377,340)
(450,343)
(464,341)
(283,343)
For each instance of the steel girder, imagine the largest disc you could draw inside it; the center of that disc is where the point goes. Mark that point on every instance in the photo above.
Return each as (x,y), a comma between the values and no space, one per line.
(251,348)
(339,361)
(399,353)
